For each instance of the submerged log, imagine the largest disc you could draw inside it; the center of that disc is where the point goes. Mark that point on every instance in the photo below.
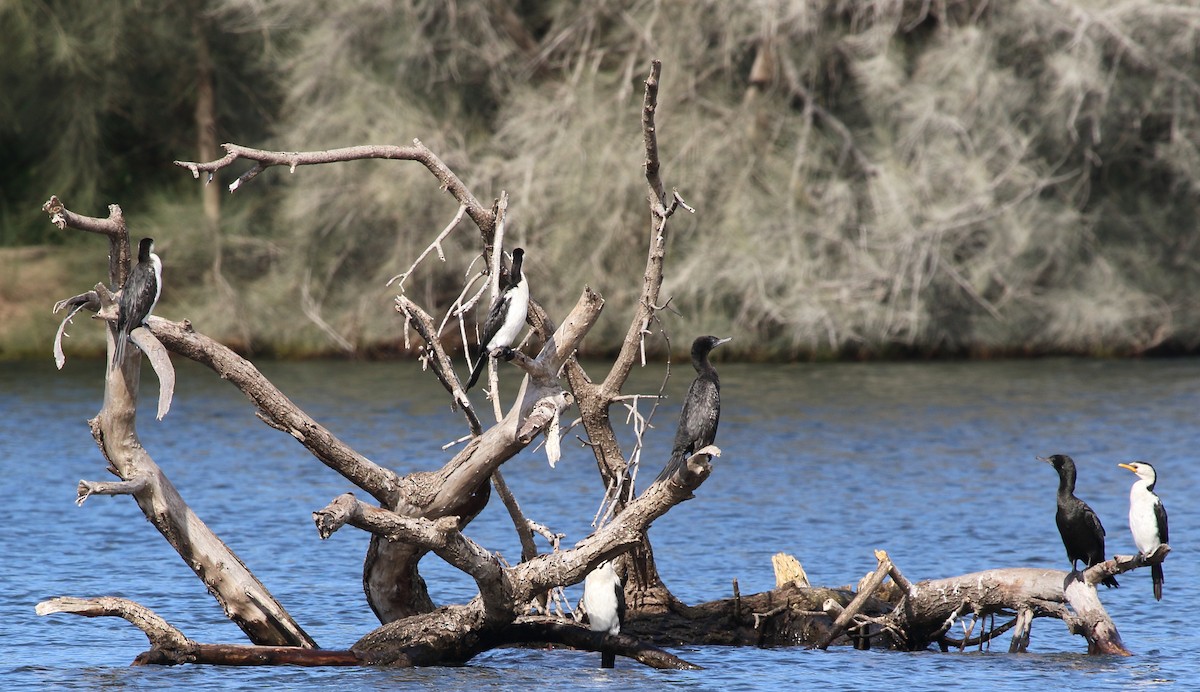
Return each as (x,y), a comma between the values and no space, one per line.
(789,615)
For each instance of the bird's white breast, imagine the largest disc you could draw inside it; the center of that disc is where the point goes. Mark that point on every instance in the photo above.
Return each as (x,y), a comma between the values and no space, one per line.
(156,263)
(600,599)
(514,318)
(1142,522)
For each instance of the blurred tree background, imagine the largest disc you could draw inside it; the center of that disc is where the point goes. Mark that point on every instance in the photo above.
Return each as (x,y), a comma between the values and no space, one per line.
(872,179)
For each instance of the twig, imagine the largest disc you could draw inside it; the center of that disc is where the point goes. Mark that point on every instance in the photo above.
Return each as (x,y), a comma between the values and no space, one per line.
(435,245)
(860,599)
(313,312)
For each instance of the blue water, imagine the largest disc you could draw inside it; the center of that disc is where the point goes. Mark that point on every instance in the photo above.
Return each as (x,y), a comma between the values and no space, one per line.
(933,462)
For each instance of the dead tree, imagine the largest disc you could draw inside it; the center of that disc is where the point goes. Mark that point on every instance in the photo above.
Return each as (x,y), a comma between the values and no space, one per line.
(427,511)
(414,514)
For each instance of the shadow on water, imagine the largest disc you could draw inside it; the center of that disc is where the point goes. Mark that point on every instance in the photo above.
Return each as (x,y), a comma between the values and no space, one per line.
(933,462)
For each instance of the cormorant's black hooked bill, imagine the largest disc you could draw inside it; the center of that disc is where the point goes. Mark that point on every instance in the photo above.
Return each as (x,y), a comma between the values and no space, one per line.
(1080,528)
(1147,518)
(138,297)
(506,317)
(701,408)
(604,601)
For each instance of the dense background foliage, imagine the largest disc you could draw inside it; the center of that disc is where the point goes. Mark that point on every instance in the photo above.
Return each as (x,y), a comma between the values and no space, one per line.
(871,178)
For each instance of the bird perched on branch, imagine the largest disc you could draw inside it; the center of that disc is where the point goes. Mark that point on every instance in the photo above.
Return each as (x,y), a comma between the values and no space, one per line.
(701,408)
(1080,528)
(604,601)
(506,317)
(138,297)
(1147,518)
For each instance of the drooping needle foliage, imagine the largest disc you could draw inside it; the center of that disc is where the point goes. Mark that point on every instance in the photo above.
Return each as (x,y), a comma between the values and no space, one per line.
(870,178)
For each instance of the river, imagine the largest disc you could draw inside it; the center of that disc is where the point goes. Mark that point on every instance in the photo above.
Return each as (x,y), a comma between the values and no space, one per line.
(933,462)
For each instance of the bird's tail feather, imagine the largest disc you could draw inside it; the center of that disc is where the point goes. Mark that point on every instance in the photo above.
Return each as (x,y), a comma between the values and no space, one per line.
(1156,574)
(483,357)
(608,659)
(672,466)
(118,351)
(1110,581)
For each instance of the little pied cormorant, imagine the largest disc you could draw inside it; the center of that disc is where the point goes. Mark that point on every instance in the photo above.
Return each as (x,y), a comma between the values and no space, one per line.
(140,294)
(701,409)
(506,317)
(1147,518)
(604,601)
(1080,528)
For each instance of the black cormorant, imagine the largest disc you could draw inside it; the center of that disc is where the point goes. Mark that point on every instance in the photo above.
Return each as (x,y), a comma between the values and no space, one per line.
(701,409)
(1147,518)
(1080,528)
(140,294)
(604,601)
(506,317)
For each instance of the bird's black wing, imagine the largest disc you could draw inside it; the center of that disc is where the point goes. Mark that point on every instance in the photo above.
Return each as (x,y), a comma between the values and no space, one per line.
(1160,516)
(1093,521)
(494,319)
(1096,551)
(491,325)
(697,424)
(699,417)
(134,305)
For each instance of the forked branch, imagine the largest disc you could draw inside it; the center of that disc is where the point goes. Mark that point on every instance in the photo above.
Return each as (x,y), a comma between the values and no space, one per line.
(263,159)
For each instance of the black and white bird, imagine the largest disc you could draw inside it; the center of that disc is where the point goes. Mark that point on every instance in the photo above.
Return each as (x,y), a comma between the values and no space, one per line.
(701,408)
(138,297)
(604,601)
(1147,518)
(1080,528)
(506,317)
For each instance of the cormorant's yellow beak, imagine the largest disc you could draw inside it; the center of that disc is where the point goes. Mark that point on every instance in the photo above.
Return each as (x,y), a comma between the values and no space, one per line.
(1128,466)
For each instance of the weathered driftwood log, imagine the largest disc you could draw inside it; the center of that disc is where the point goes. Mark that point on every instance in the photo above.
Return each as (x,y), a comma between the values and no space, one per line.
(928,609)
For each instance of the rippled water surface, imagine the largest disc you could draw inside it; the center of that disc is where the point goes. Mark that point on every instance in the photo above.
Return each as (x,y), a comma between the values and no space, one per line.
(933,462)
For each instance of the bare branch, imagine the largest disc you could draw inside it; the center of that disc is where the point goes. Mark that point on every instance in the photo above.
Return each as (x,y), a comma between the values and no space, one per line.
(88,488)
(382,483)
(435,245)
(113,227)
(437,358)
(482,216)
(87,300)
(161,363)
(441,535)
(545,415)
(160,633)
(1120,564)
(313,312)
(524,527)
